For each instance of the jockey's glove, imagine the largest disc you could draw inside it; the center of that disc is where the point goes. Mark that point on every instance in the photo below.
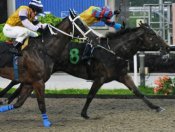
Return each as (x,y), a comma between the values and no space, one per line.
(44,25)
(40,30)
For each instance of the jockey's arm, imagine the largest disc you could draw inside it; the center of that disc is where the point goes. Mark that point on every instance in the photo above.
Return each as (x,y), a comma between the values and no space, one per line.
(25,21)
(39,24)
(110,23)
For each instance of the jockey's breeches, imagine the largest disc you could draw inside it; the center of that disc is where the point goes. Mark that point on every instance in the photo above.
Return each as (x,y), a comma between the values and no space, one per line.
(18,32)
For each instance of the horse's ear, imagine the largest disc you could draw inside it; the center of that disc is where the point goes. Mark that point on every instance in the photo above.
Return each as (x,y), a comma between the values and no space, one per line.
(71,13)
(140,32)
(141,23)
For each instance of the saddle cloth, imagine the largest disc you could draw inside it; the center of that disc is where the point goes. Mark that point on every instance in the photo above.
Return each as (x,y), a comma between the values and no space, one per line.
(75,50)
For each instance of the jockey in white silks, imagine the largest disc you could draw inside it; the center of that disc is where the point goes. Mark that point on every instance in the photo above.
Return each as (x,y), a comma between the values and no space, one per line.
(23,23)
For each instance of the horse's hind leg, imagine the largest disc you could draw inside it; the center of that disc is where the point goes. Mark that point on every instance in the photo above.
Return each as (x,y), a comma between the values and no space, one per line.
(14,95)
(39,88)
(5,90)
(11,97)
(26,91)
(94,89)
(127,80)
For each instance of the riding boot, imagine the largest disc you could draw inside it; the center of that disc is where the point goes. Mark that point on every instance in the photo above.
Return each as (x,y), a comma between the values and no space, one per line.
(87,52)
(16,49)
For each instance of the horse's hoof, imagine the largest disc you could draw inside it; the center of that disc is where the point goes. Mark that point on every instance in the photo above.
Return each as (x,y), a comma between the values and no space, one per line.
(160,109)
(47,124)
(85,116)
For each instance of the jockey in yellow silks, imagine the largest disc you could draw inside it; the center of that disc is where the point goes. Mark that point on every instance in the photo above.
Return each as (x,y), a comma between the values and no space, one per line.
(23,23)
(95,14)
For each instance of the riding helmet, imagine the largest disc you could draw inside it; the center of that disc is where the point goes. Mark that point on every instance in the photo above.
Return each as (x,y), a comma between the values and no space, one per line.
(36,5)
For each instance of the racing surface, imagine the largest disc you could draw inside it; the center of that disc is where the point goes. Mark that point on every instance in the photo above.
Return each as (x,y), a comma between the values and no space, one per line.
(107,115)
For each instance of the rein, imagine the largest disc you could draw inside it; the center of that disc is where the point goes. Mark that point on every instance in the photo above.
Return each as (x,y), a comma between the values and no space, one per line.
(73,25)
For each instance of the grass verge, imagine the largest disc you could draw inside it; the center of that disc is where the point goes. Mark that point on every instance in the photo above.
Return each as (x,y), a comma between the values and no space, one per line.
(144,90)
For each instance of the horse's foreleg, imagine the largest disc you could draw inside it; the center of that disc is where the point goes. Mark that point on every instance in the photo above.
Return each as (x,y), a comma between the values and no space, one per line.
(94,89)
(127,80)
(39,88)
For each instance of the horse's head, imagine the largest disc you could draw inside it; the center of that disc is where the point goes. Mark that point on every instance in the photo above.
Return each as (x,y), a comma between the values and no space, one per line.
(150,40)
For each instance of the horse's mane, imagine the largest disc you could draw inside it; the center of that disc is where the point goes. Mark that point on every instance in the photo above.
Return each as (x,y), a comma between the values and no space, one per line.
(46,33)
(120,32)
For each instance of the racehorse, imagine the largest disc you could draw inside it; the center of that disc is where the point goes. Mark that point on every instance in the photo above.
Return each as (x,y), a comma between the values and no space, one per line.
(109,62)
(36,64)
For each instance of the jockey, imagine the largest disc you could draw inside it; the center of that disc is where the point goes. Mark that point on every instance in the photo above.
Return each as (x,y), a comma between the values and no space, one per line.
(23,23)
(95,14)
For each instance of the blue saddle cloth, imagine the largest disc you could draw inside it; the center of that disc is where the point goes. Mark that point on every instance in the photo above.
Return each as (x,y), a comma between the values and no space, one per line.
(6,57)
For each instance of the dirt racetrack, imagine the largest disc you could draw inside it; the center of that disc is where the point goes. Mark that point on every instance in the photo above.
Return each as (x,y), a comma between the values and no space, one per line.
(107,115)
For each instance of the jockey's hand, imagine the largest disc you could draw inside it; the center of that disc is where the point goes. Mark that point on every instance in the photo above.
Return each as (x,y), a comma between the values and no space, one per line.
(40,30)
(44,25)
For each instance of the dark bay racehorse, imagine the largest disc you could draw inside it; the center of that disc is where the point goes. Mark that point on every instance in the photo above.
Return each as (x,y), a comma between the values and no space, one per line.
(36,65)
(110,64)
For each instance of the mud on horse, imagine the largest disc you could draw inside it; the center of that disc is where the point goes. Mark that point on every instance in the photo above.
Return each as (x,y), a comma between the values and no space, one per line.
(36,64)
(110,63)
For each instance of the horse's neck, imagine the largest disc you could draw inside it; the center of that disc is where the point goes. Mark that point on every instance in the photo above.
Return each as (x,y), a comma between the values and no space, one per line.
(125,46)
(56,43)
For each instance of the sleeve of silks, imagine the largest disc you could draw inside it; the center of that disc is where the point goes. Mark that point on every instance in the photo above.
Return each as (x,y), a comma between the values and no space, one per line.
(110,23)
(39,24)
(25,21)
(97,12)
